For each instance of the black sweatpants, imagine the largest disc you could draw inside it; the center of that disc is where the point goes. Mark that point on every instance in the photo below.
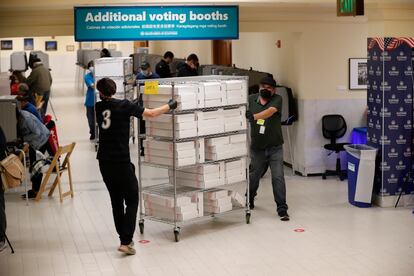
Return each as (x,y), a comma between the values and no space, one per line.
(122,185)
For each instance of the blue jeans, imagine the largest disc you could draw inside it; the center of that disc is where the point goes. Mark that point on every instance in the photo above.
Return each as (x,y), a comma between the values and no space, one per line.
(90,114)
(259,160)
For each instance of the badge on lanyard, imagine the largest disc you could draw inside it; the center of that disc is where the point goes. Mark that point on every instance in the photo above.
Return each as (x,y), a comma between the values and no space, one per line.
(262,129)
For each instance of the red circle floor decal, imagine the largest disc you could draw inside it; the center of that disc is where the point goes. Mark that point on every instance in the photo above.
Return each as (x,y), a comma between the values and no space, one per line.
(299,230)
(144,241)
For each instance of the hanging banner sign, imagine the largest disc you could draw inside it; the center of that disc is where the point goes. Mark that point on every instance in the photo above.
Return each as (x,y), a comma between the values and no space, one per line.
(116,23)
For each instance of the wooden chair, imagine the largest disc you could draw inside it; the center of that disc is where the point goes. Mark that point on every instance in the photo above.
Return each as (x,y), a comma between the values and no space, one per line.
(54,168)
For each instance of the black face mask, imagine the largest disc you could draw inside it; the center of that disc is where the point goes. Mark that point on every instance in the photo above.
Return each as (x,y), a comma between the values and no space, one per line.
(265,94)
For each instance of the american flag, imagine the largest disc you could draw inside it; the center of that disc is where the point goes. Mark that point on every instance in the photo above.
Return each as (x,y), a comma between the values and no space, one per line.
(390,43)
(376,40)
(408,40)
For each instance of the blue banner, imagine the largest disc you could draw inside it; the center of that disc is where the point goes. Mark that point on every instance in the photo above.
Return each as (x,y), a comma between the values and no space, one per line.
(116,23)
(390,114)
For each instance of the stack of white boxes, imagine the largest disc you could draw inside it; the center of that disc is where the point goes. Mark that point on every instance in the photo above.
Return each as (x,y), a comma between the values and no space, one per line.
(188,96)
(236,91)
(161,126)
(120,71)
(202,176)
(235,119)
(210,122)
(161,152)
(217,201)
(205,94)
(226,147)
(163,207)
(235,171)
(214,94)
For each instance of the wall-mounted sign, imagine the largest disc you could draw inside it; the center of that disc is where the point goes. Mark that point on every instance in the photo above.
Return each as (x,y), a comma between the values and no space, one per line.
(115,23)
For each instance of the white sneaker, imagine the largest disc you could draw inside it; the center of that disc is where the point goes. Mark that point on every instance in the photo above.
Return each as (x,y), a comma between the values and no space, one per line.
(128,249)
(3,246)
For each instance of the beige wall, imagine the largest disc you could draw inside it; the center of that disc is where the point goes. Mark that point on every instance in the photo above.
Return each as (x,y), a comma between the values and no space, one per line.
(313,58)
(259,51)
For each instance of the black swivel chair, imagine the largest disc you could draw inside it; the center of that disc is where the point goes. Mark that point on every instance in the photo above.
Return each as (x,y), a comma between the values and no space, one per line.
(333,128)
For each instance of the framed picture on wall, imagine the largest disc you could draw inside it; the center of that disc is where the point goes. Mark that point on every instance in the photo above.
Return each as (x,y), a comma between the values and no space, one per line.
(6,45)
(358,74)
(51,45)
(70,48)
(28,44)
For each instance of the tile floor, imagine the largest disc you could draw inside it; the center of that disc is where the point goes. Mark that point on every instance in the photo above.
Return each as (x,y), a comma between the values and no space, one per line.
(77,237)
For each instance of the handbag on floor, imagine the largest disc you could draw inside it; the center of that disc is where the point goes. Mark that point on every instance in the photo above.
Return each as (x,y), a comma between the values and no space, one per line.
(12,172)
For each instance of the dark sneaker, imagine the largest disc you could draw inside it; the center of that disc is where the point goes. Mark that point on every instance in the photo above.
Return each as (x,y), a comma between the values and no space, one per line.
(30,194)
(284,216)
(92,137)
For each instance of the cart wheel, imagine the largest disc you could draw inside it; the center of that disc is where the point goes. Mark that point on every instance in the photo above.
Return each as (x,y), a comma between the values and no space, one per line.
(177,234)
(141,226)
(133,140)
(248,218)
(323,176)
(341,177)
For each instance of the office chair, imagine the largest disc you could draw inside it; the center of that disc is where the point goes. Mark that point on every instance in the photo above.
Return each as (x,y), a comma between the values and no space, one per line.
(333,128)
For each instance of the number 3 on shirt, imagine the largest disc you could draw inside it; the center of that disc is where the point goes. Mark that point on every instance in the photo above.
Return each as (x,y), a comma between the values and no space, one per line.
(106,123)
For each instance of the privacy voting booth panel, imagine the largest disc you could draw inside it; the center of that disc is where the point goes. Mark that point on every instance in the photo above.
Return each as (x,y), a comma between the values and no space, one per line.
(390,115)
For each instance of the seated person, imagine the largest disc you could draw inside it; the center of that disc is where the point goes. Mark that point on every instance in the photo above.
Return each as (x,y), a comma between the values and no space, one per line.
(163,67)
(24,99)
(35,133)
(146,72)
(188,68)
(16,79)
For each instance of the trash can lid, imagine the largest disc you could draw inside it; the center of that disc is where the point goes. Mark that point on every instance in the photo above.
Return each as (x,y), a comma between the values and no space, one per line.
(361,151)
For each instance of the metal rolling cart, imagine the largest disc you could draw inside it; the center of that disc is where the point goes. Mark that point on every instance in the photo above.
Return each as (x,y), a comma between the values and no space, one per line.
(173,189)
(118,69)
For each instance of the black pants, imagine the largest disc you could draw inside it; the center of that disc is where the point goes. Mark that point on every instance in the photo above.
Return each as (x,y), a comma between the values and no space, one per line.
(90,114)
(3,221)
(37,180)
(122,185)
(45,100)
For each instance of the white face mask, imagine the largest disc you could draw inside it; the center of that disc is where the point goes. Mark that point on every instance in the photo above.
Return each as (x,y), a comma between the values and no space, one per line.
(91,69)
(147,73)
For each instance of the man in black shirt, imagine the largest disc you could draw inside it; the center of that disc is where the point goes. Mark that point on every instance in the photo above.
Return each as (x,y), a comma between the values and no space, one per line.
(264,114)
(118,173)
(188,68)
(163,67)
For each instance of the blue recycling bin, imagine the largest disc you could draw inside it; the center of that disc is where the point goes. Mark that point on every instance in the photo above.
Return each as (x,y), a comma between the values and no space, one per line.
(361,170)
